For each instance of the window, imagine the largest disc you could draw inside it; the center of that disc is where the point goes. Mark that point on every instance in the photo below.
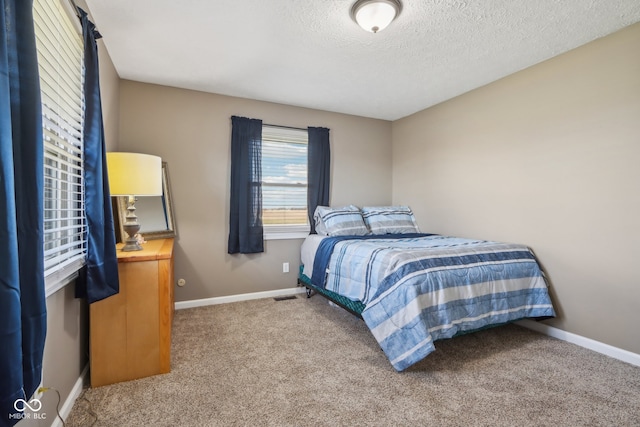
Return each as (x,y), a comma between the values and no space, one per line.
(60,63)
(284,182)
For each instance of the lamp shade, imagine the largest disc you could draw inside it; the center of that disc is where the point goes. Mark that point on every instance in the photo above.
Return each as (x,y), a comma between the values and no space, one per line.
(375,15)
(134,174)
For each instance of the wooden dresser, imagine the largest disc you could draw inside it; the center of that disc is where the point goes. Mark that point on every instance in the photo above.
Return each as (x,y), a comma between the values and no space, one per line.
(130,333)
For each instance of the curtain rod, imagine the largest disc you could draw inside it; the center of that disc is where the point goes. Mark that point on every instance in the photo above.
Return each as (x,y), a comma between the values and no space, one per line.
(284,127)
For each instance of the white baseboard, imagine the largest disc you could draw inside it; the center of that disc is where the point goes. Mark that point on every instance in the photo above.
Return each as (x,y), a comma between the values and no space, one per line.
(76,390)
(235,298)
(597,346)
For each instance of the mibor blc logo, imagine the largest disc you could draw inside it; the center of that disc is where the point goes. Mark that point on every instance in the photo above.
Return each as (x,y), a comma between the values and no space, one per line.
(21,405)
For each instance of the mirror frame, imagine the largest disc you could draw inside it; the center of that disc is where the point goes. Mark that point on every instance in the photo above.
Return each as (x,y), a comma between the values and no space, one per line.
(151,235)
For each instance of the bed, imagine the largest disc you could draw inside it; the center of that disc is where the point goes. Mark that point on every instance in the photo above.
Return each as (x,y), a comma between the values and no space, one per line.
(412,289)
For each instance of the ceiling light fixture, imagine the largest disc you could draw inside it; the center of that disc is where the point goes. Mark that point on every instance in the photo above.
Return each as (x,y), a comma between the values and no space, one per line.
(375,15)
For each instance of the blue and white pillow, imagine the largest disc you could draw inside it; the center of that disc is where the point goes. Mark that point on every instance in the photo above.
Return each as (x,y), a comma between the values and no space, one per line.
(345,221)
(390,219)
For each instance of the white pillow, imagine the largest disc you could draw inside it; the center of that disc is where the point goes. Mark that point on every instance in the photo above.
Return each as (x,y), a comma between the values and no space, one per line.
(390,220)
(345,221)
(321,229)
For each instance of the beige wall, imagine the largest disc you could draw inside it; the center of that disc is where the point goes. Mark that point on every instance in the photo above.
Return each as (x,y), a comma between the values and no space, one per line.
(192,131)
(548,157)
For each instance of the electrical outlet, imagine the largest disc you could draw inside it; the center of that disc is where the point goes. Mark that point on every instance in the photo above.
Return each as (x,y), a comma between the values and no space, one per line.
(285,267)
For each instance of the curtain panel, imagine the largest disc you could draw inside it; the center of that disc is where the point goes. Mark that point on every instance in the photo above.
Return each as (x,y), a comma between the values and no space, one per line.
(245,213)
(318,170)
(99,277)
(23,317)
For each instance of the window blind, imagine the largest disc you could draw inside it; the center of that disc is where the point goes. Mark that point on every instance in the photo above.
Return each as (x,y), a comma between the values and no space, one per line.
(60,62)
(284,176)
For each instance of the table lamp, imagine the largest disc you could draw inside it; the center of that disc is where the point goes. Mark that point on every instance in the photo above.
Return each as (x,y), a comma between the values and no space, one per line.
(133,175)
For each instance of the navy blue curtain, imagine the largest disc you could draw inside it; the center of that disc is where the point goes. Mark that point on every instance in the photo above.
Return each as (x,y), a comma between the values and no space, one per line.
(318,171)
(23,316)
(245,213)
(99,277)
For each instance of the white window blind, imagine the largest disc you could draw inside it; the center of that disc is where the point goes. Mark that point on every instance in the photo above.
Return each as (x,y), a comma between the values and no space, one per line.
(60,63)
(284,180)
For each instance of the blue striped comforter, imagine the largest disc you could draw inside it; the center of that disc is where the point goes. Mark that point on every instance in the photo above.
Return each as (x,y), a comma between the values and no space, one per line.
(423,288)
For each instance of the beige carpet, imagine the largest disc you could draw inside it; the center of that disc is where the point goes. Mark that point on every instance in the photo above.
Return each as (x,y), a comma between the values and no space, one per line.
(303,362)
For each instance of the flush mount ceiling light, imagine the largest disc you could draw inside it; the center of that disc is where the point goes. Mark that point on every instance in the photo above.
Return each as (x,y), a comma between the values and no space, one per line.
(375,15)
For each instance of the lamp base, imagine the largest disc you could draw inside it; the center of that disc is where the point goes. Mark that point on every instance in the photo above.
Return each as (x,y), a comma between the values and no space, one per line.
(131,227)
(132,245)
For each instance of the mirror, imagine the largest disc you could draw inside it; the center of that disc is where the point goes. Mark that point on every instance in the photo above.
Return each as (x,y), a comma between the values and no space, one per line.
(155,213)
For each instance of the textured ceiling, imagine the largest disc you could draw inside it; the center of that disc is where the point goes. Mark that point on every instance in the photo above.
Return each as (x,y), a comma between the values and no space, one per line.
(310,53)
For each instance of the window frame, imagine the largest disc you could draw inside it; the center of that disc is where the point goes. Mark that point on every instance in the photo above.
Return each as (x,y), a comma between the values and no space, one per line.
(62,128)
(282,231)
